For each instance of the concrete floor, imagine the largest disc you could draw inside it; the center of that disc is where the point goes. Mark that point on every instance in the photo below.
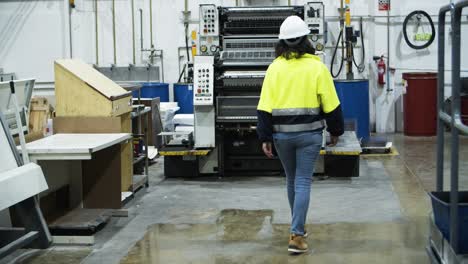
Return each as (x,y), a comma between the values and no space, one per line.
(380,217)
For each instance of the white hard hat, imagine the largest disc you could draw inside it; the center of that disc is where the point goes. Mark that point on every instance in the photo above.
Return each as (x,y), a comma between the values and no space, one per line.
(293,27)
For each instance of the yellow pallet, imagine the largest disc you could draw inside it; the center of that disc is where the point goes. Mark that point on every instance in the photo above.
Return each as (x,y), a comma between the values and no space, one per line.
(206,152)
(340,153)
(185,153)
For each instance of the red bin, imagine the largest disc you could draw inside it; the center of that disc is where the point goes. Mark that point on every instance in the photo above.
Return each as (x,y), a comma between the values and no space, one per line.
(420,104)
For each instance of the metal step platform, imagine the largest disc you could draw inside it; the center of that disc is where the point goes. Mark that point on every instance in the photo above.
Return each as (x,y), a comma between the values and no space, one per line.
(376,145)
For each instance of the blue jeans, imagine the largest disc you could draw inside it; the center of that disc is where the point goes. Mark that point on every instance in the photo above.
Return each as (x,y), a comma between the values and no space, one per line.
(298,153)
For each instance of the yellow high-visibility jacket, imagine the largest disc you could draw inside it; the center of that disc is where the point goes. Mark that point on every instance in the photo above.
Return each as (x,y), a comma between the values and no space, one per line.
(297,95)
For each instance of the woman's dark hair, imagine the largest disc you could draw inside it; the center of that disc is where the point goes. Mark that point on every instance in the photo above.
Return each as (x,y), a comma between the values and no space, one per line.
(294,48)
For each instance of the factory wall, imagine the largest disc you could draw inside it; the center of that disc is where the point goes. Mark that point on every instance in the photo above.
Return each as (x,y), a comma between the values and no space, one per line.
(34,33)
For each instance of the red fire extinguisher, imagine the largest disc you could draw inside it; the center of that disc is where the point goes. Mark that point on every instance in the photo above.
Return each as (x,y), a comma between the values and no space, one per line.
(381,70)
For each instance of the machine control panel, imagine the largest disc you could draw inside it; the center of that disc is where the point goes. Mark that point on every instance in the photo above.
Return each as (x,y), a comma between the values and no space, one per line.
(209,20)
(209,30)
(314,16)
(203,77)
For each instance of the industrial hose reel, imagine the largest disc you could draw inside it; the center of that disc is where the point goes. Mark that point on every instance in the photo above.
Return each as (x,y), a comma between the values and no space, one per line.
(414,30)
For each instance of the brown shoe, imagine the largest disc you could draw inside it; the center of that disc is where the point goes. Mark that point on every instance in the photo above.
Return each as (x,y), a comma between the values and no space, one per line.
(297,244)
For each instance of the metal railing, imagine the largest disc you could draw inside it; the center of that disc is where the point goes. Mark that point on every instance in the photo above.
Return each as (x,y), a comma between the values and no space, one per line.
(454,119)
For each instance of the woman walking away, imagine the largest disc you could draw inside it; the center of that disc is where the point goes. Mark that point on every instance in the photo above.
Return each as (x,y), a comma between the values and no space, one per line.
(298,94)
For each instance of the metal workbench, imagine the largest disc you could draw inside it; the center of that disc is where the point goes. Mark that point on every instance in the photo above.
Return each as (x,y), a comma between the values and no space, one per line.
(94,182)
(73,146)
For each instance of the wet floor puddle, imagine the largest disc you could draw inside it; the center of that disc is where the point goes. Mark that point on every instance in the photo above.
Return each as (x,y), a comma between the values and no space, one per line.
(55,256)
(243,236)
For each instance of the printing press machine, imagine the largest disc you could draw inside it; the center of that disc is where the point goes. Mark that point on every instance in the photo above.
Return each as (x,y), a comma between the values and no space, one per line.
(236,46)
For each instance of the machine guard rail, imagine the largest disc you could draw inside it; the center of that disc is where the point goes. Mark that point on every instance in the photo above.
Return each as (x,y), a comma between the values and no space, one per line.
(453,119)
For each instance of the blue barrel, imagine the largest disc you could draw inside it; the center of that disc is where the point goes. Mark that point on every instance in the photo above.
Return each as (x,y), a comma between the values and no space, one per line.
(183,95)
(354,98)
(153,90)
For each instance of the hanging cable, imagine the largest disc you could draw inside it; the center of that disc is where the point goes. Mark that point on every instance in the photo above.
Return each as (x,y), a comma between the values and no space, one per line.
(361,66)
(182,73)
(334,56)
(186,42)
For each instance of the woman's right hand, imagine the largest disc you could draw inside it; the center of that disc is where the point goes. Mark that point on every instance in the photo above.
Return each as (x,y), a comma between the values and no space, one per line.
(268,149)
(333,141)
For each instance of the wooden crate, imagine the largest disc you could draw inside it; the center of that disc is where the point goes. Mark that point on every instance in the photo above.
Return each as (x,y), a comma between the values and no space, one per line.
(40,111)
(82,91)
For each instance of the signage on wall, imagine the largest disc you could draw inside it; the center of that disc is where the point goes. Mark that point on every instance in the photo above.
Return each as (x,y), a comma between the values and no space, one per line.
(384,5)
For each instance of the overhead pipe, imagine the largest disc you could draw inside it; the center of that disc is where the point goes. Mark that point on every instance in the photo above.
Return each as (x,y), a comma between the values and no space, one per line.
(70,28)
(348,13)
(159,54)
(389,89)
(162,65)
(348,43)
(151,23)
(186,26)
(133,31)
(113,32)
(342,24)
(142,49)
(152,50)
(97,30)
(141,29)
